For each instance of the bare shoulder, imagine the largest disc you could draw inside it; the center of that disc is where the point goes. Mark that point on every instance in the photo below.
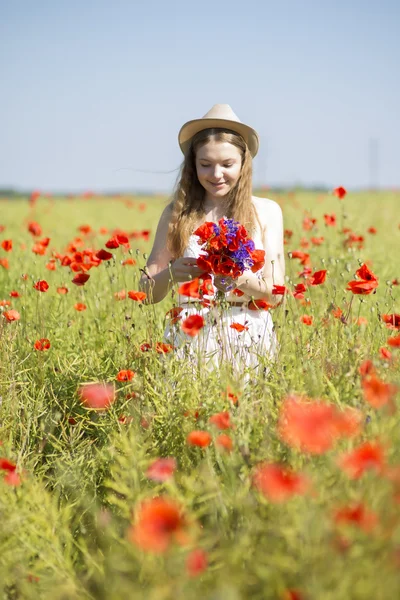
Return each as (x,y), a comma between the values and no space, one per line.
(267,208)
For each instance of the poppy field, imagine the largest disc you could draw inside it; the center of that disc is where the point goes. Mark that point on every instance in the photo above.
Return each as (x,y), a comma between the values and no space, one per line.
(126,472)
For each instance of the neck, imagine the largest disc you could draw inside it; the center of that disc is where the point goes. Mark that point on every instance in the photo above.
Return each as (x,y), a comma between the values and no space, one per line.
(210,202)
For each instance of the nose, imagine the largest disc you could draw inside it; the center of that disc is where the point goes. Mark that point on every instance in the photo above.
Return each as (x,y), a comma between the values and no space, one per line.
(217,173)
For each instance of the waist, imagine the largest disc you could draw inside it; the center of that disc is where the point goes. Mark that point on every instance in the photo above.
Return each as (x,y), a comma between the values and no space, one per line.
(228,303)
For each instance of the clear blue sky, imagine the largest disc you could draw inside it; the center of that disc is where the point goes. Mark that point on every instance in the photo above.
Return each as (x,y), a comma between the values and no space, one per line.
(93,91)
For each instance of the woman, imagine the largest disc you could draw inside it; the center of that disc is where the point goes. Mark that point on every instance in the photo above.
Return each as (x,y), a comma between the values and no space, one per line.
(216,181)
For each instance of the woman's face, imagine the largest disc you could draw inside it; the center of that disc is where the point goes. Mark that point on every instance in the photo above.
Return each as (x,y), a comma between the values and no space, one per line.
(218,166)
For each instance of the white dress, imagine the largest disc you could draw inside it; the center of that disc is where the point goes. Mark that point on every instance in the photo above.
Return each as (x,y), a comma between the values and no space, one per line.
(217,342)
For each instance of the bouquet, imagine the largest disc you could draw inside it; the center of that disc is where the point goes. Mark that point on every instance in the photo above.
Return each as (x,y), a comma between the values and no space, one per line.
(228,250)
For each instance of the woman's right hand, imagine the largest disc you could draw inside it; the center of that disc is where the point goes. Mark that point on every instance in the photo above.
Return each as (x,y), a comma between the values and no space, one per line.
(185,268)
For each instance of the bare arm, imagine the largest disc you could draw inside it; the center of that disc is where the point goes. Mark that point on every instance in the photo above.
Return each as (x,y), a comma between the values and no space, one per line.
(162,270)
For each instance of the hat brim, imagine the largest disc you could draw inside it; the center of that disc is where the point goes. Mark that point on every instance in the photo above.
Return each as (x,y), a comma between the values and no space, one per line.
(189,129)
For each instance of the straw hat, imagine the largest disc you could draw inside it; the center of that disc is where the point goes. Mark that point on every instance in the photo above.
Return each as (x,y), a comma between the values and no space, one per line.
(220,115)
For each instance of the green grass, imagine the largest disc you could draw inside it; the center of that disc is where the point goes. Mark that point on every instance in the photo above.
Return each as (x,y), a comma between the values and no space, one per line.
(64,533)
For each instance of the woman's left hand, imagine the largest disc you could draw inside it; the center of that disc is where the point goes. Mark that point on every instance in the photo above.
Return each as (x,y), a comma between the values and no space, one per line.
(224,284)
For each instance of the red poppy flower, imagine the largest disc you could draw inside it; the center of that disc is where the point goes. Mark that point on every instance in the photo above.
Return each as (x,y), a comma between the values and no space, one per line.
(11,315)
(376,392)
(15,294)
(292,594)
(337,312)
(34,228)
(128,261)
(120,295)
(392,321)
(278,483)
(221,420)
(356,515)
(41,286)
(367,456)
(161,469)
(81,279)
(394,341)
(99,396)
(162,348)
(317,278)
(112,243)
(279,290)
(5,303)
(330,220)
(126,375)
(258,256)
(308,426)
(302,256)
(237,292)
(4,263)
(224,441)
(299,290)
(42,344)
(317,241)
(366,368)
(7,465)
(372,230)
(137,296)
(51,266)
(308,223)
(197,287)
(159,522)
(288,233)
(307,319)
(192,325)
(362,287)
(238,327)
(196,562)
(79,306)
(7,245)
(174,314)
(340,192)
(385,354)
(104,255)
(199,438)
(366,274)
(259,304)
(145,347)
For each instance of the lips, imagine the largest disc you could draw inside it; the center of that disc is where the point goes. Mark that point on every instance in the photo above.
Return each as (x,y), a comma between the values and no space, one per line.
(218,184)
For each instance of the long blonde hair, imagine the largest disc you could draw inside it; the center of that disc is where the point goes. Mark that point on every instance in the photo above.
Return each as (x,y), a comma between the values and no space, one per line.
(189,195)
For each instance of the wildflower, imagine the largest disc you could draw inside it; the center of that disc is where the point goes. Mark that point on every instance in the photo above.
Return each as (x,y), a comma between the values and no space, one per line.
(224,441)
(279,290)
(80,279)
(330,220)
(41,286)
(159,522)
(11,315)
(104,255)
(192,325)
(137,296)
(309,223)
(161,469)
(306,319)
(366,368)
(317,278)
(221,420)
(367,456)
(384,353)
(197,287)
(372,230)
(340,192)
(120,295)
(11,477)
(259,304)
(277,483)
(15,294)
(98,396)
(239,327)
(42,344)
(79,306)
(376,392)
(302,256)
(128,261)
(392,321)
(317,241)
(357,515)
(7,245)
(163,348)
(127,375)
(394,341)
(4,263)
(196,562)
(312,426)
(199,438)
